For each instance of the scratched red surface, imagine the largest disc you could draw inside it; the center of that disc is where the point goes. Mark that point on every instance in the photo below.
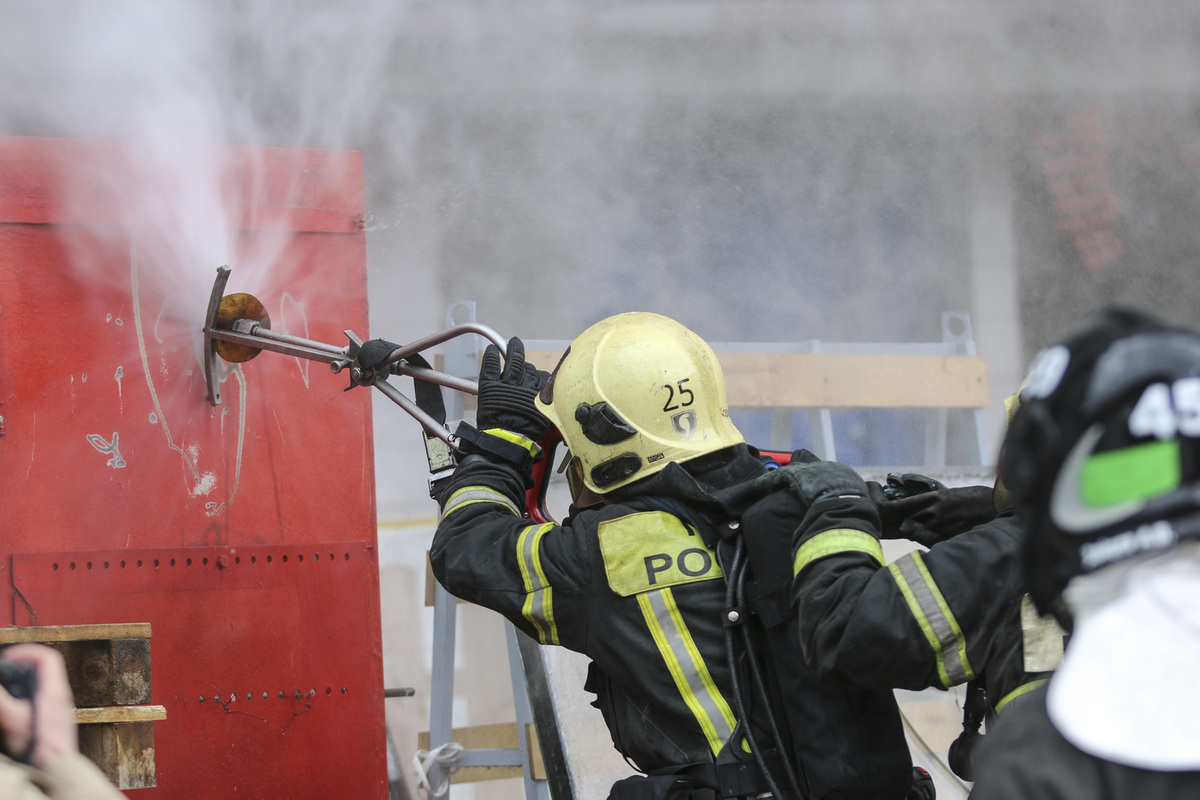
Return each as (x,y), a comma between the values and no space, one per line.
(244,533)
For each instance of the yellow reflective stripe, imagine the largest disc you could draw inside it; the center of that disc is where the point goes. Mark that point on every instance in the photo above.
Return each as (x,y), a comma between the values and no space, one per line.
(687,667)
(533,447)
(933,614)
(539,606)
(838,540)
(1017,692)
(469,495)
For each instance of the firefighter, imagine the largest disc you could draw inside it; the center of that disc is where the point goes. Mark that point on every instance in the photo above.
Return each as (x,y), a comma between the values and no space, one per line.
(1103,463)
(39,740)
(955,612)
(637,576)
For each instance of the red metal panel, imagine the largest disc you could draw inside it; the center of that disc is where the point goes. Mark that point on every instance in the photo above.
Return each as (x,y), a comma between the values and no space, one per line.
(110,453)
(270,637)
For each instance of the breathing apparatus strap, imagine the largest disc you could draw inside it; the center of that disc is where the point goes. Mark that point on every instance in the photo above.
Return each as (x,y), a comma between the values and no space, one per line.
(749,648)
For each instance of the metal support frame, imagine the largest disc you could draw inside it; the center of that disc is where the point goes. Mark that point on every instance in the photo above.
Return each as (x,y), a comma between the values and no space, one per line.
(442,704)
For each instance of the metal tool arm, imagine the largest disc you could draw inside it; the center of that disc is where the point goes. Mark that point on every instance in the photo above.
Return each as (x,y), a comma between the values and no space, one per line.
(256,335)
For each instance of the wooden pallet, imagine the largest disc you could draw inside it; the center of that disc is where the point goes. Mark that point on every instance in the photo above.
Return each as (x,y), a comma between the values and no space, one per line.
(109,670)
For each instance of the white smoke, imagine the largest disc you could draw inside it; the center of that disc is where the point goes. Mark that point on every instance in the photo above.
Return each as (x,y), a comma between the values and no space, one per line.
(173,85)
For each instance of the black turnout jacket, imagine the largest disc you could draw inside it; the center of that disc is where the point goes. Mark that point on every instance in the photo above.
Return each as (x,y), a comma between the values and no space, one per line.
(940,617)
(637,585)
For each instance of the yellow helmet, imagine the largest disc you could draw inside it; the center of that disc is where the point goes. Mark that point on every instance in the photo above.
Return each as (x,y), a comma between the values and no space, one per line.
(634,393)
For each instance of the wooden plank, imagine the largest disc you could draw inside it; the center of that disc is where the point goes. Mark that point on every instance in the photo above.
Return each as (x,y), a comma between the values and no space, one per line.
(822,380)
(108,673)
(501,736)
(544,359)
(431,583)
(123,751)
(74,633)
(120,714)
(843,380)
(537,765)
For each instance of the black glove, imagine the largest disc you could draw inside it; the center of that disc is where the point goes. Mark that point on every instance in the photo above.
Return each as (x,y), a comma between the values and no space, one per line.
(804,456)
(506,395)
(907,484)
(932,515)
(790,477)
(814,480)
(372,353)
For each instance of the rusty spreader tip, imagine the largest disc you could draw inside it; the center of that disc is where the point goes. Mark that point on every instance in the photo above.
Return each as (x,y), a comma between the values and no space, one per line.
(233,308)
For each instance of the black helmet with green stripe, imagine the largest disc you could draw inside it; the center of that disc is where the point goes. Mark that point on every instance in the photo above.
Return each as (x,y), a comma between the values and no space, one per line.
(1102,457)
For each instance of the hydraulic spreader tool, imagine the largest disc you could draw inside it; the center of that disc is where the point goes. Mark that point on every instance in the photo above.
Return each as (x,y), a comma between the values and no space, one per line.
(237,328)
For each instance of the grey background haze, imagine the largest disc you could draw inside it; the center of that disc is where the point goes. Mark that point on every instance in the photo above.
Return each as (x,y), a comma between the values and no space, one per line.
(762,171)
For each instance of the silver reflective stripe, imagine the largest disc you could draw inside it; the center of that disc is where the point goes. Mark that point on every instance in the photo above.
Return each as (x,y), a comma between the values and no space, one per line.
(538,607)
(478,494)
(933,614)
(692,678)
